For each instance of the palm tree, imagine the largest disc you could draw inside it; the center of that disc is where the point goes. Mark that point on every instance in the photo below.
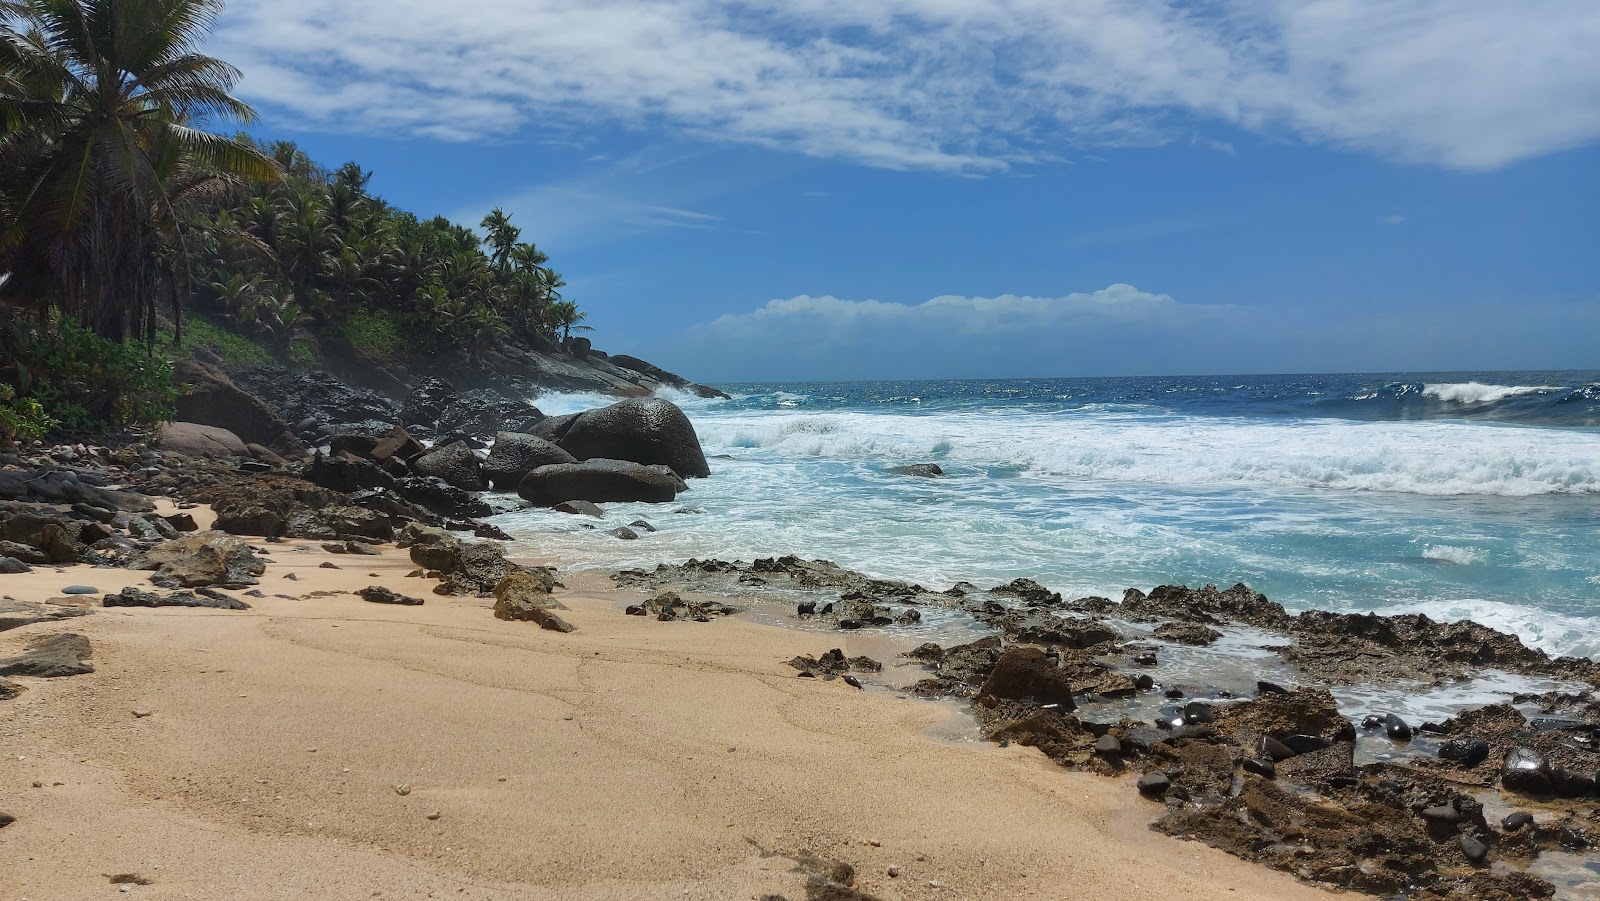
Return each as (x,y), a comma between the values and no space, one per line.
(502,239)
(99,154)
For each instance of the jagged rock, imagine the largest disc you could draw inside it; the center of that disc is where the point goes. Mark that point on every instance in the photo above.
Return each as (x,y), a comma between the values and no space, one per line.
(377,594)
(202,559)
(598,481)
(133,597)
(347,474)
(920,470)
(648,431)
(196,440)
(456,464)
(347,520)
(8,691)
(26,553)
(51,657)
(183,522)
(439,497)
(1187,633)
(54,537)
(16,614)
(663,376)
(515,454)
(250,520)
(525,597)
(1028,673)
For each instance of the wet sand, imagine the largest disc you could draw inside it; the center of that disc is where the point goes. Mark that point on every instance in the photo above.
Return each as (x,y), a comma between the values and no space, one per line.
(300,749)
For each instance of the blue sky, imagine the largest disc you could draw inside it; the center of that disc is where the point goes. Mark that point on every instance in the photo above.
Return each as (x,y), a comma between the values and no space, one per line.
(989,188)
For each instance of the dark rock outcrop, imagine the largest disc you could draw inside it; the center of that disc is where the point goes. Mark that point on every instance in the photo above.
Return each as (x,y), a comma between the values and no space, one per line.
(516,454)
(209,397)
(133,597)
(196,440)
(455,463)
(200,560)
(640,430)
(599,481)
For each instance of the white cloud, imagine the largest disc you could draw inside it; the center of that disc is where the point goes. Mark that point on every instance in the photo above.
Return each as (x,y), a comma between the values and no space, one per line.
(1005,314)
(1392,219)
(964,85)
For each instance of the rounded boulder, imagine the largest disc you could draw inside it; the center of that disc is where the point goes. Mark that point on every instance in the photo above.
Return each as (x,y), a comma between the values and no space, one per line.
(599,481)
(515,454)
(645,430)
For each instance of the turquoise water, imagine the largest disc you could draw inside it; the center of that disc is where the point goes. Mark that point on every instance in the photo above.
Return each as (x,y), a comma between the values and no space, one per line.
(1462,495)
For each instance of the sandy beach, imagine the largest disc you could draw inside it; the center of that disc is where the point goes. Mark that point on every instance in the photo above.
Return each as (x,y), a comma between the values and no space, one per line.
(326,747)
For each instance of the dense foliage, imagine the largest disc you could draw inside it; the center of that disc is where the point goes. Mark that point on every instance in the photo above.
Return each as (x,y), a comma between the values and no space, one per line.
(117,212)
(99,154)
(315,256)
(86,382)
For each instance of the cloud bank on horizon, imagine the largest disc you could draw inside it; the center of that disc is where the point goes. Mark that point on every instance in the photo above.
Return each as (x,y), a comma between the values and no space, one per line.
(1116,330)
(971,87)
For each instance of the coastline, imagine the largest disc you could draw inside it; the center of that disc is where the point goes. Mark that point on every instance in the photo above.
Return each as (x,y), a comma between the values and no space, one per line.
(690,748)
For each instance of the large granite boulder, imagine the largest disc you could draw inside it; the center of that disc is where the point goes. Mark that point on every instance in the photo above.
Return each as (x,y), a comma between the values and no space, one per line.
(200,560)
(516,454)
(455,463)
(599,481)
(645,430)
(207,396)
(196,440)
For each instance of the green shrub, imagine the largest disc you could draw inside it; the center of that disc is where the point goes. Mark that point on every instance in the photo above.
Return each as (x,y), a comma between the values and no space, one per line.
(375,332)
(232,348)
(90,383)
(22,419)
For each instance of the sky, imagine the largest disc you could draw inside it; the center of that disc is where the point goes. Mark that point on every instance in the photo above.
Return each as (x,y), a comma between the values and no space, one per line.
(831,189)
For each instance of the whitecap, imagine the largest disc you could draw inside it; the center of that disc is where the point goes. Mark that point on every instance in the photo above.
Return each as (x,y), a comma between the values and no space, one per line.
(1445,553)
(1479,393)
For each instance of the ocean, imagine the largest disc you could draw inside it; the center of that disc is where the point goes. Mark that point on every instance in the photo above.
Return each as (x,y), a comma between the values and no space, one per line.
(1460,495)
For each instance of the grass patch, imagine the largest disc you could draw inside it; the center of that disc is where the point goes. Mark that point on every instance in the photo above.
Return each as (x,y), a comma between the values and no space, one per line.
(233,348)
(376,333)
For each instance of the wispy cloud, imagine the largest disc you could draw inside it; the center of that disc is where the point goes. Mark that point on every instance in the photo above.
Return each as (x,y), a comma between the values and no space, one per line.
(1392,219)
(930,84)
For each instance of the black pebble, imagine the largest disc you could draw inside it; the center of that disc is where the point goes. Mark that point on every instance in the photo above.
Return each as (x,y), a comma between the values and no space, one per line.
(1515,821)
(852,681)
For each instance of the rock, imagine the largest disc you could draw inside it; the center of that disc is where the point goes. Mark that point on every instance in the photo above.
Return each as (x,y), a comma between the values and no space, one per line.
(1154,784)
(25,553)
(6,819)
(442,498)
(1396,728)
(377,594)
(456,464)
(80,589)
(346,474)
(51,657)
(346,520)
(1108,746)
(624,533)
(515,454)
(52,538)
(579,508)
(361,548)
(1474,849)
(183,522)
(1187,633)
(250,520)
(920,470)
(1525,771)
(1517,820)
(398,445)
(133,597)
(522,597)
(11,566)
(1466,751)
(647,431)
(1442,813)
(9,689)
(598,481)
(1261,768)
(1028,673)
(196,440)
(209,397)
(664,377)
(202,559)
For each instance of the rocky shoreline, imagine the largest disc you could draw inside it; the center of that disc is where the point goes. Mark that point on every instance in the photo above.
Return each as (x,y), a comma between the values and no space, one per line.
(1271,775)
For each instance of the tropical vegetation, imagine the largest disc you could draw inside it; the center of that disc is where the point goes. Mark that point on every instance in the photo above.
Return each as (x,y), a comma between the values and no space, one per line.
(120,211)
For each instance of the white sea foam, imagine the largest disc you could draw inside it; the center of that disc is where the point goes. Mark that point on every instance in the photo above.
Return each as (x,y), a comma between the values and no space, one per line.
(1551,632)
(1430,458)
(1479,393)
(1447,553)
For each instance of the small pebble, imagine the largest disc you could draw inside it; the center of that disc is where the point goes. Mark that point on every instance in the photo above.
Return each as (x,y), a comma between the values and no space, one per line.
(435,815)
(874,843)
(894,872)
(402,790)
(142,712)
